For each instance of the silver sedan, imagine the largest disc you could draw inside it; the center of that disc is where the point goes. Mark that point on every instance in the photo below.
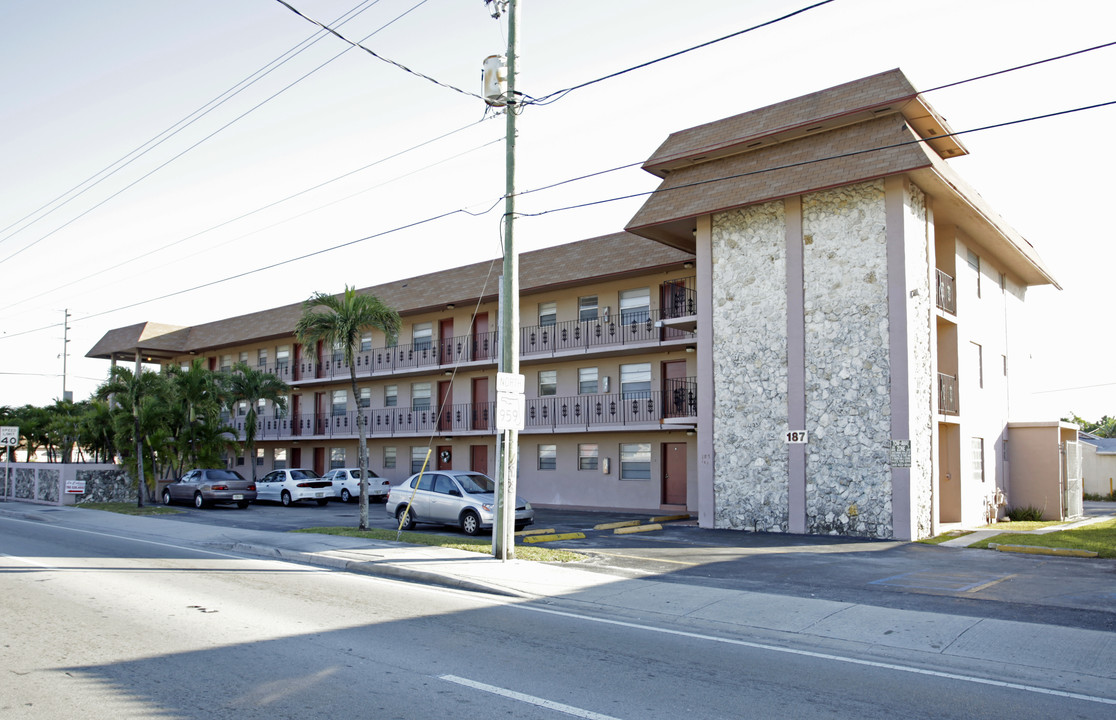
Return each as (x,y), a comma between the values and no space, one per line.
(451,497)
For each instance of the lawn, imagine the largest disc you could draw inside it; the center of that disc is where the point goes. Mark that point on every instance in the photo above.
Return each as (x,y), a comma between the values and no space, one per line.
(478,545)
(129,508)
(1098,537)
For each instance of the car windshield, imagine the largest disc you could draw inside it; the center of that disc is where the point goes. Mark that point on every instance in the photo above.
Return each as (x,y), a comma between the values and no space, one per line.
(476,483)
(304,475)
(224,475)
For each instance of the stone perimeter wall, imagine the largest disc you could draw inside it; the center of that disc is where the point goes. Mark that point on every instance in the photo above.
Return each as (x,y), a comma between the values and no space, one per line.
(45,483)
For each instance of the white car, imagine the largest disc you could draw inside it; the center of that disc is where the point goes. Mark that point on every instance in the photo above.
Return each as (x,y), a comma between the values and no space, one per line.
(291,486)
(346,484)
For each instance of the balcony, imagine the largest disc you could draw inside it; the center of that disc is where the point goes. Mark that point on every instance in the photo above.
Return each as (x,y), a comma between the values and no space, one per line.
(638,329)
(641,411)
(946,297)
(947,395)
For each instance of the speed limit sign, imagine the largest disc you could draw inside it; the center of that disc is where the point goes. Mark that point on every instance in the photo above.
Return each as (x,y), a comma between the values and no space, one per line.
(9,435)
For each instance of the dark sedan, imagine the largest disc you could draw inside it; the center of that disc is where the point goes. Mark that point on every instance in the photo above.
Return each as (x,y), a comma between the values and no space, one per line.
(206,487)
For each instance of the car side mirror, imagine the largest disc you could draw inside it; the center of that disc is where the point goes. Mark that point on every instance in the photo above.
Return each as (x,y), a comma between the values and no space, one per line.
(455,492)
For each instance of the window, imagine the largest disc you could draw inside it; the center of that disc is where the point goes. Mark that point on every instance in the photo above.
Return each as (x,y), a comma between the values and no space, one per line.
(366,342)
(978,459)
(336,458)
(366,397)
(548,313)
(226,363)
(418,457)
(635,380)
(548,382)
(548,457)
(282,357)
(259,457)
(244,357)
(241,408)
(389,458)
(422,335)
(587,381)
(635,305)
(261,358)
(391,395)
(340,399)
(420,396)
(239,459)
(978,353)
(280,458)
(635,461)
(281,409)
(443,485)
(338,351)
(587,456)
(261,407)
(587,308)
(974,263)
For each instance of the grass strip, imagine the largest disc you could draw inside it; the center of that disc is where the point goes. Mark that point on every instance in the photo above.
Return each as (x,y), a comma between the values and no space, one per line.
(129,508)
(477,545)
(1098,537)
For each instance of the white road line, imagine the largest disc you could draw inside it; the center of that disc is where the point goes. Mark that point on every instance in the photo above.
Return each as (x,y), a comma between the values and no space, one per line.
(28,561)
(529,699)
(827,656)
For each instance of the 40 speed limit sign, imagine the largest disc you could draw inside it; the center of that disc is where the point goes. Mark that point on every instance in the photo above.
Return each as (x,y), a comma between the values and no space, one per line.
(9,435)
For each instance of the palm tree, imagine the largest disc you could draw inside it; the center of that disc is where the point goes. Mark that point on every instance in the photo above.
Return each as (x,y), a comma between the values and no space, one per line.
(248,385)
(199,397)
(339,321)
(129,391)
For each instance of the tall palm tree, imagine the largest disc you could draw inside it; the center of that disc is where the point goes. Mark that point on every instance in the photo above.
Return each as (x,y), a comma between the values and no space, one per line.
(248,385)
(339,321)
(199,397)
(129,391)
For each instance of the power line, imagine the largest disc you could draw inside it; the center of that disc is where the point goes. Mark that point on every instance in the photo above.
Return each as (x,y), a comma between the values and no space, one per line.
(559,94)
(146,147)
(379,57)
(199,142)
(1021,67)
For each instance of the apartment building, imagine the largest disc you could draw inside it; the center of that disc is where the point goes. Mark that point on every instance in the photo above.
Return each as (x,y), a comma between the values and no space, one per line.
(810,327)
(611,394)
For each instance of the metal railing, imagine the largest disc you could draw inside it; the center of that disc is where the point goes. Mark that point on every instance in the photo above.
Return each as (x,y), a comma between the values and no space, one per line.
(946,297)
(678,297)
(947,395)
(635,328)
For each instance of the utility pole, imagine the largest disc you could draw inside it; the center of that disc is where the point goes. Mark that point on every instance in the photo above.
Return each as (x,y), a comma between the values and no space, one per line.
(503,534)
(66,395)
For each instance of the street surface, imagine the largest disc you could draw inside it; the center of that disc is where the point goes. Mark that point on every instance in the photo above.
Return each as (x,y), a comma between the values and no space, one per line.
(100,625)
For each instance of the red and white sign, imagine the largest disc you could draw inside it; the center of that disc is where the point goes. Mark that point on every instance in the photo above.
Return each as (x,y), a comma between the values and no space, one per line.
(75,487)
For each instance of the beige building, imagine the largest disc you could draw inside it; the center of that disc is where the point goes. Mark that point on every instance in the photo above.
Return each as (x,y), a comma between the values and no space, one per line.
(810,327)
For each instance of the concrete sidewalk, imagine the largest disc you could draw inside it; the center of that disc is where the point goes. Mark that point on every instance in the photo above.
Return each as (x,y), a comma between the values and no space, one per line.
(1080,658)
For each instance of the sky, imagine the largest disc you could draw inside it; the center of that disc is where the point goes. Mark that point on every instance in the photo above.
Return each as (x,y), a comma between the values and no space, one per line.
(128,195)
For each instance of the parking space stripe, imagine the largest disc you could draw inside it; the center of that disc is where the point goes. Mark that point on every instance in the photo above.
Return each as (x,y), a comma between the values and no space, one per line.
(529,699)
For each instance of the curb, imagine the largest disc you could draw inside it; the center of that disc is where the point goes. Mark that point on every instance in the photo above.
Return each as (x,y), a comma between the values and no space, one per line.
(1040,550)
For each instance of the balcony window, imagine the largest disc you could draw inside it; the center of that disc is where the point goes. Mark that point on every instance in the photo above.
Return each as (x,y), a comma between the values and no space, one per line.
(391,395)
(548,383)
(420,396)
(336,458)
(422,336)
(587,381)
(635,380)
(635,461)
(241,408)
(366,342)
(418,457)
(587,456)
(548,457)
(340,400)
(548,313)
(635,305)
(587,308)
(261,358)
(261,407)
(280,460)
(244,357)
(226,363)
(282,357)
(389,458)
(366,397)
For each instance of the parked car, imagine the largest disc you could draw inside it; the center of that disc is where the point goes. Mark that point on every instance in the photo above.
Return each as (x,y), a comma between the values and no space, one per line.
(289,486)
(205,487)
(346,484)
(452,497)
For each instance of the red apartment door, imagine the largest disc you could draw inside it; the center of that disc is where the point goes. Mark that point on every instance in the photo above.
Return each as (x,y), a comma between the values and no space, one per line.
(674,473)
(296,368)
(296,416)
(478,458)
(445,406)
(482,344)
(480,403)
(319,413)
(319,460)
(445,457)
(296,458)
(445,331)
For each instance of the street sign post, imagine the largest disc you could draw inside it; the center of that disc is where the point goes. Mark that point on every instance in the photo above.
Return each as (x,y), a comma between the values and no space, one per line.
(9,436)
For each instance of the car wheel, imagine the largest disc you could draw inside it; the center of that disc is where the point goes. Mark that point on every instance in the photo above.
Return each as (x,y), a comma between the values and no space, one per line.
(519,528)
(470,523)
(166,497)
(407,523)
(322,501)
(285,498)
(345,496)
(242,504)
(199,501)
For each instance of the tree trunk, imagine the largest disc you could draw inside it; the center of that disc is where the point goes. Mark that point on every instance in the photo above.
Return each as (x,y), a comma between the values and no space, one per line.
(141,483)
(362,452)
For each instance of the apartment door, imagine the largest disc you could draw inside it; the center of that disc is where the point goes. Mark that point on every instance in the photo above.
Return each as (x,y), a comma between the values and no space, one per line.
(320,416)
(296,368)
(673,304)
(296,417)
(445,332)
(478,458)
(319,460)
(296,458)
(482,343)
(481,407)
(674,473)
(445,406)
(445,457)
(675,393)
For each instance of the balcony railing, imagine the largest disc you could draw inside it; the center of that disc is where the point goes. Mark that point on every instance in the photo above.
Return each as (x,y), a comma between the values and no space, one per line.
(947,395)
(630,329)
(946,296)
(642,409)
(678,298)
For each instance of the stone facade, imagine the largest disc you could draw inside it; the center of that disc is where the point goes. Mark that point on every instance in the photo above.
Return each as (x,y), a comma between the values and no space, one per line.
(45,483)
(750,367)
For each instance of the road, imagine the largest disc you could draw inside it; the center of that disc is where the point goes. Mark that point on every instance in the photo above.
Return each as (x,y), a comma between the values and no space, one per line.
(99,625)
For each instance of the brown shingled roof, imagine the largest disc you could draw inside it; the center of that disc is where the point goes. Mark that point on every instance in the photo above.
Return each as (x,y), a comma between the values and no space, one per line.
(570,264)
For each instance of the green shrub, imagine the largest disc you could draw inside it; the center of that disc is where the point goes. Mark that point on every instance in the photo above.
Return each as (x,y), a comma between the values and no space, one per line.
(1025,513)
(1096,497)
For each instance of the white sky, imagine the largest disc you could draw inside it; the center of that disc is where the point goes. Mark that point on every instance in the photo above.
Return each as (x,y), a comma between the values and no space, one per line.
(85,83)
